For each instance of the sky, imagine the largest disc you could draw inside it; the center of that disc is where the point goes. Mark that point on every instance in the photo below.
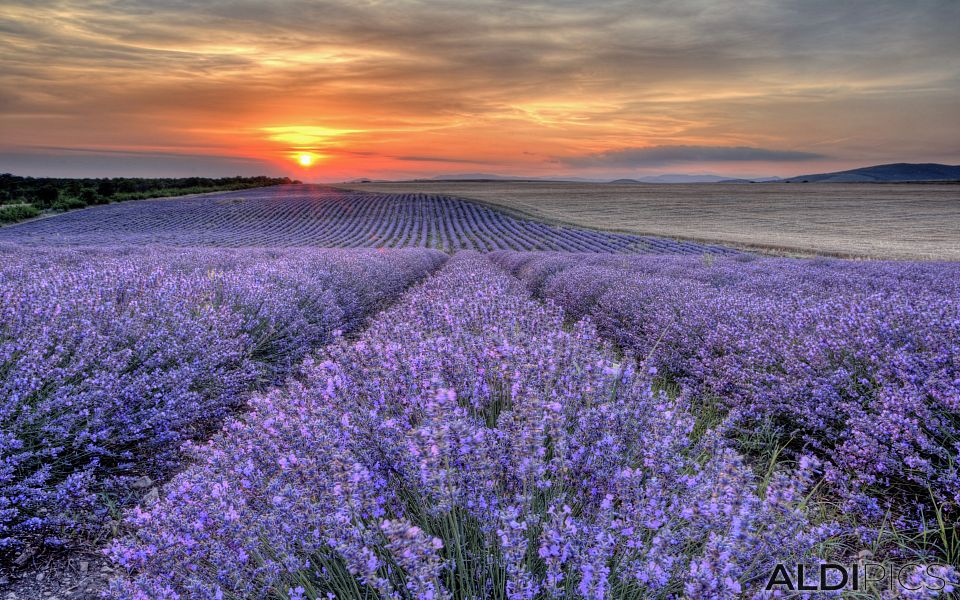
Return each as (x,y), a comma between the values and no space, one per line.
(394,90)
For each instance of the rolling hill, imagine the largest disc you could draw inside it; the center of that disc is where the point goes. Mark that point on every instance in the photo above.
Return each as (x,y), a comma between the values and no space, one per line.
(891,173)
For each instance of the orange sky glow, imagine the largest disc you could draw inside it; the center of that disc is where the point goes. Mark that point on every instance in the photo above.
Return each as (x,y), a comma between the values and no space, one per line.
(417,89)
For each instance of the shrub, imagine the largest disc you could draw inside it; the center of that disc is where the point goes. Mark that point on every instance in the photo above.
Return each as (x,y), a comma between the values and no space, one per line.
(12,213)
(69,203)
(90,196)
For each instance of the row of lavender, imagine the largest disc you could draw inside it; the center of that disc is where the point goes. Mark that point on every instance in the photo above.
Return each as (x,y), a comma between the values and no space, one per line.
(857,362)
(321,216)
(111,358)
(468,445)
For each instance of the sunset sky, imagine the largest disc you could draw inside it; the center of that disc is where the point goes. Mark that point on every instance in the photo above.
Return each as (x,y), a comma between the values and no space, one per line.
(411,89)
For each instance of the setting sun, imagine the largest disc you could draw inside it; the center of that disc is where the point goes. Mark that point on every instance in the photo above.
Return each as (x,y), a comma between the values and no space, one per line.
(305,159)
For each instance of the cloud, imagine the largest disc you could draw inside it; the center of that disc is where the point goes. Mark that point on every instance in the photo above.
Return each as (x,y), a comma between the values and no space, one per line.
(492,81)
(656,156)
(98,163)
(441,159)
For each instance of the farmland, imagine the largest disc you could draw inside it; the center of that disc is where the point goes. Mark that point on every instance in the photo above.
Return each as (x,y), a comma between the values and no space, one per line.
(303,215)
(301,392)
(902,221)
(486,300)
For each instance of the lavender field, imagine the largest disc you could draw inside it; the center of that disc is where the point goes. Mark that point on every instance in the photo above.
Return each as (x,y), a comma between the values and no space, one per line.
(111,359)
(311,215)
(281,420)
(466,444)
(473,444)
(858,363)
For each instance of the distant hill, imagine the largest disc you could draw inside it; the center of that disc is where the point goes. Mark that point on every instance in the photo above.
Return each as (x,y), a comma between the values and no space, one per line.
(686,178)
(478,177)
(752,180)
(493,177)
(895,172)
(682,178)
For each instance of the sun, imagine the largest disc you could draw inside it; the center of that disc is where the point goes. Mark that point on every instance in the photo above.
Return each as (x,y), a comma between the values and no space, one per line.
(305,159)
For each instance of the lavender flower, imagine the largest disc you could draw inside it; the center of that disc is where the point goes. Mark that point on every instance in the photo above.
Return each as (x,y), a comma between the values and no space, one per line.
(468,444)
(111,359)
(854,361)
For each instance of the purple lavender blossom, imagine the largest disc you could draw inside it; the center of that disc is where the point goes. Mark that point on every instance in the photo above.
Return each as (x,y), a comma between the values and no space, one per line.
(858,362)
(468,444)
(111,359)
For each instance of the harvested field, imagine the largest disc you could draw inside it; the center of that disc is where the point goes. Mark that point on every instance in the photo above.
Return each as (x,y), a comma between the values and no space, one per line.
(895,221)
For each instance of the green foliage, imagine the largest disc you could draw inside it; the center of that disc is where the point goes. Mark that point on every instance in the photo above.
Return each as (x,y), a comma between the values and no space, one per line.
(24,197)
(45,192)
(69,203)
(939,537)
(90,196)
(11,213)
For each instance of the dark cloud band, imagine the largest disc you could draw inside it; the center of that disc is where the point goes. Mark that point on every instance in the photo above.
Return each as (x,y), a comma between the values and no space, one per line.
(670,155)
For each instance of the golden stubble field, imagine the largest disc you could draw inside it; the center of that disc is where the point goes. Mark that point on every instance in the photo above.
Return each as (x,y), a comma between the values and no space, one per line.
(895,221)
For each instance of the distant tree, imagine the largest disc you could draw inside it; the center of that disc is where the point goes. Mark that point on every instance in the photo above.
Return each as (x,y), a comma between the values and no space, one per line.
(73,187)
(127,186)
(62,193)
(46,196)
(106,188)
(90,196)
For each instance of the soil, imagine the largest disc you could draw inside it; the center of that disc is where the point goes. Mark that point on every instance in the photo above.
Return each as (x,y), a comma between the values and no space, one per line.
(80,575)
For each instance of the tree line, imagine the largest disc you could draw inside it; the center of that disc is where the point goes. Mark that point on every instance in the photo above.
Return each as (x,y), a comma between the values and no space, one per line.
(27,197)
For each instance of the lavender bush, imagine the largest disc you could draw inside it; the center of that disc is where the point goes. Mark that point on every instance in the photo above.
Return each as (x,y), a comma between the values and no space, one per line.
(467,445)
(858,362)
(111,359)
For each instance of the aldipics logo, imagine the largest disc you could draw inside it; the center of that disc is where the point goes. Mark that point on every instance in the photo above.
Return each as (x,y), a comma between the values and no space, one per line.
(904,579)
